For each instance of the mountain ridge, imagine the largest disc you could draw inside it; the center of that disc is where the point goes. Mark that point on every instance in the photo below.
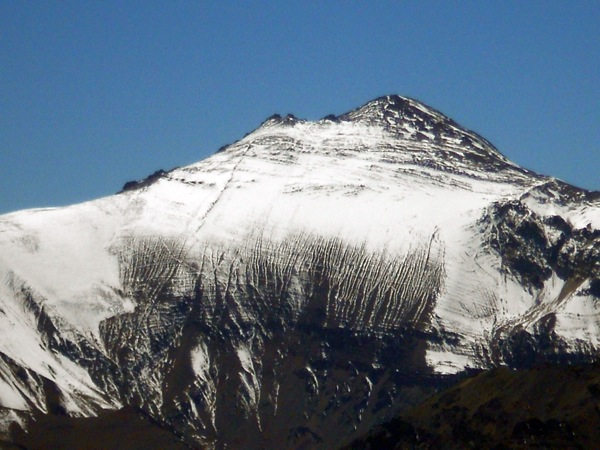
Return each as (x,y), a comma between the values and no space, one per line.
(397,114)
(546,406)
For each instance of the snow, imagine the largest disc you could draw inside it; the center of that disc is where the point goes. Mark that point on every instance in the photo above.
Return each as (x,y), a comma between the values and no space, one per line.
(447,362)
(64,254)
(318,191)
(314,379)
(201,362)
(8,417)
(587,215)
(10,397)
(249,377)
(578,318)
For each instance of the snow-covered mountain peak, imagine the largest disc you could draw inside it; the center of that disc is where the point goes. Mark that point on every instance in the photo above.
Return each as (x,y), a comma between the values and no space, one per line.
(403,132)
(413,120)
(305,282)
(391,106)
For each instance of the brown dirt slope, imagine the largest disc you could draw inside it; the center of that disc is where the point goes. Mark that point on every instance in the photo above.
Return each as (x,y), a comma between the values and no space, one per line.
(122,429)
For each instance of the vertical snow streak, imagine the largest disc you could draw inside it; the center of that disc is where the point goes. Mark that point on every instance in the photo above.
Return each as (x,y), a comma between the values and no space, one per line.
(148,265)
(339,284)
(267,281)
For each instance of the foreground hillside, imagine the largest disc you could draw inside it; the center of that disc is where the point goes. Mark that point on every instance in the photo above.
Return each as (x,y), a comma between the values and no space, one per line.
(543,407)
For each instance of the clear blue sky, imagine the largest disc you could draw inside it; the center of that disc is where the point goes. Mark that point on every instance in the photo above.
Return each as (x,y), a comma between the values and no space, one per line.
(93,94)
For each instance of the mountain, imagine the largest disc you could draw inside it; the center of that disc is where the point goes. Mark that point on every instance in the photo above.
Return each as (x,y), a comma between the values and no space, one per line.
(298,287)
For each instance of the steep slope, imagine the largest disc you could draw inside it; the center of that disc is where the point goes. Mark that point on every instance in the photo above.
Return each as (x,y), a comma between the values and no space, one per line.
(302,284)
(542,407)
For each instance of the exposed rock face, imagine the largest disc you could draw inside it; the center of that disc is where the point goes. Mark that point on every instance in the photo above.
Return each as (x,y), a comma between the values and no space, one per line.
(299,286)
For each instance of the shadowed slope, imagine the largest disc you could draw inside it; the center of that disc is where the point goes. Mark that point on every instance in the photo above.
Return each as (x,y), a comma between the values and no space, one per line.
(542,407)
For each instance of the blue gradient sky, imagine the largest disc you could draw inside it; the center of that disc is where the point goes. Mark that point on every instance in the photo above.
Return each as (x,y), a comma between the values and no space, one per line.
(93,94)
